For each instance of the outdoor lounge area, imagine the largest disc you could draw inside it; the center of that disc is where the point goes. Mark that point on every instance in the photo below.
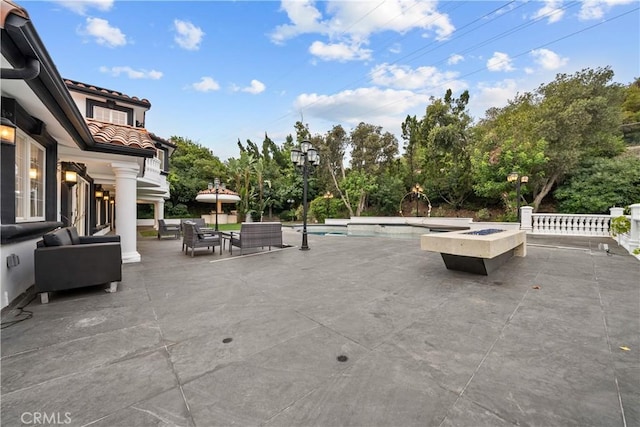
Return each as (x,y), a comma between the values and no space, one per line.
(356,331)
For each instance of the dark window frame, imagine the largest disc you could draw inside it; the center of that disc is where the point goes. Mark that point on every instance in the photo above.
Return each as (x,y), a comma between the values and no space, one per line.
(109,105)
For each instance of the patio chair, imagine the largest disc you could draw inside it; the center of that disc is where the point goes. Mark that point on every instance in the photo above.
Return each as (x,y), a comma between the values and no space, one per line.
(165,229)
(194,237)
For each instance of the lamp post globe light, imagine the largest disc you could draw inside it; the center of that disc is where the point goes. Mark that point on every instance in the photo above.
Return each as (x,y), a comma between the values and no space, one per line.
(518,179)
(305,159)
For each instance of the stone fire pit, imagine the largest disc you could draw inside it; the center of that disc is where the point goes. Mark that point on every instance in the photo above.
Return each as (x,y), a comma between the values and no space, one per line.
(477,251)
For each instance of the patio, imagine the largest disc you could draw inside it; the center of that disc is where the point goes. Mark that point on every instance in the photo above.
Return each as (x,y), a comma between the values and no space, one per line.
(357,331)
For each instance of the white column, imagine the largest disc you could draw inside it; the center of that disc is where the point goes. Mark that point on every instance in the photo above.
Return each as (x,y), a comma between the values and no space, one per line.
(126,194)
(526,218)
(158,212)
(616,212)
(634,233)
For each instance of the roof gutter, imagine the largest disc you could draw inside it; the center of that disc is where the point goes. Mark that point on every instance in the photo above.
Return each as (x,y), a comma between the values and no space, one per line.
(46,83)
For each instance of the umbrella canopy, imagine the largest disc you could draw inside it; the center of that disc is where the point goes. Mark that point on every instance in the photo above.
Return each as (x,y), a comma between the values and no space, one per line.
(224,196)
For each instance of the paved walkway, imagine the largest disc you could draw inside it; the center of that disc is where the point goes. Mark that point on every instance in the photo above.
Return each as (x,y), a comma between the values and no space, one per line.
(354,332)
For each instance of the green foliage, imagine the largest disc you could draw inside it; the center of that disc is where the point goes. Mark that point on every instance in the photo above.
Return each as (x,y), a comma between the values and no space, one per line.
(176,211)
(631,113)
(445,160)
(578,116)
(600,184)
(321,208)
(620,225)
(356,186)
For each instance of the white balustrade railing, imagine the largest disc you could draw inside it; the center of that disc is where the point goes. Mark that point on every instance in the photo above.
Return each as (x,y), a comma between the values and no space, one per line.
(152,169)
(570,224)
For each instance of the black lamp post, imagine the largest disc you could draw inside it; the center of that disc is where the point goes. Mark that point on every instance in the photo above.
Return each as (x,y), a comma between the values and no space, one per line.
(518,179)
(417,190)
(305,158)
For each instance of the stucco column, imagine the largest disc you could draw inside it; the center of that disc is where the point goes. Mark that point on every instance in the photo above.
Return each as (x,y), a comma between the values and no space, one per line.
(616,212)
(526,218)
(126,178)
(158,212)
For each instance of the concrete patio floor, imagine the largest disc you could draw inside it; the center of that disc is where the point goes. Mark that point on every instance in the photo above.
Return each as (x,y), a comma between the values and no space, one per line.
(354,332)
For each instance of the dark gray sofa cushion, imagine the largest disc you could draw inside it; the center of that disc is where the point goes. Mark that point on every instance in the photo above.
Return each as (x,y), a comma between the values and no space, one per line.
(73,235)
(59,237)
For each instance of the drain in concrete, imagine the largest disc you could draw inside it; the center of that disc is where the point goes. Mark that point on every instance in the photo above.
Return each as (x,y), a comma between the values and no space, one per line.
(227,340)
(342,358)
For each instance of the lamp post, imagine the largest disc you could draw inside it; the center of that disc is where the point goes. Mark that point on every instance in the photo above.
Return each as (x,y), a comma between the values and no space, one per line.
(328,196)
(417,190)
(305,158)
(518,179)
(216,185)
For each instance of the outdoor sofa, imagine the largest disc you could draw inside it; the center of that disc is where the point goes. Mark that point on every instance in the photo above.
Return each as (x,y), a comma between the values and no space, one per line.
(64,260)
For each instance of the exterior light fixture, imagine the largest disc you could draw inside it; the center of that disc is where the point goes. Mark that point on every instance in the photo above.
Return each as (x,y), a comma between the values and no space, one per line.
(417,190)
(328,196)
(99,193)
(306,158)
(7,132)
(70,178)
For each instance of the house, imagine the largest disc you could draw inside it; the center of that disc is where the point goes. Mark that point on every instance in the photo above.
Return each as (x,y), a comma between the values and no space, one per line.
(71,154)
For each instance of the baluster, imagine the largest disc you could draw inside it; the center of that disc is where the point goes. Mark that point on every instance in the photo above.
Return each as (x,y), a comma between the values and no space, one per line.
(581,225)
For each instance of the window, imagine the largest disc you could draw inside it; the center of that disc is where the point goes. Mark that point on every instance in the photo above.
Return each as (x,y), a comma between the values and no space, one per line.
(110,116)
(30,179)
(161,158)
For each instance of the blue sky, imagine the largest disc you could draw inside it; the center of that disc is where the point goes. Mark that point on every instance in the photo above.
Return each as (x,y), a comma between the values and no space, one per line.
(219,71)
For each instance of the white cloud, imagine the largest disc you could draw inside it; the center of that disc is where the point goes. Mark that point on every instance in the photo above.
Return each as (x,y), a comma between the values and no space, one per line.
(548,59)
(552,11)
(338,52)
(395,48)
(487,96)
(596,9)
(104,33)
(131,73)
(383,107)
(500,62)
(188,36)
(404,77)
(454,59)
(351,23)
(206,84)
(255,88)
(82,6)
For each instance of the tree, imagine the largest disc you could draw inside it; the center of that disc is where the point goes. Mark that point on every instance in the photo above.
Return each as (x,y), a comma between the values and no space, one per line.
(631,113)
(446,161)
(579,116)
(576,116)
(192,167)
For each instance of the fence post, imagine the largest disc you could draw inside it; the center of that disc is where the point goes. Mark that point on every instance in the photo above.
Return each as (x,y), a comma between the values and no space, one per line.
(526,218)
(634,233)
(615,212)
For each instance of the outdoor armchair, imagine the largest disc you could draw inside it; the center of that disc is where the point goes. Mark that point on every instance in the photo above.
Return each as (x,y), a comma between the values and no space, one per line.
(194,237)
(165,229)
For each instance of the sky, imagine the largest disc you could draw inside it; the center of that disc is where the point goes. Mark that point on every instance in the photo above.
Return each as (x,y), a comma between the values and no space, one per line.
(217,72)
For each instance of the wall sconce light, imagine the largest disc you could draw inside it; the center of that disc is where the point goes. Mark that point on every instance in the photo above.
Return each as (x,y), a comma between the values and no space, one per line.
(8,132)
(70,178)
(33,173)
(105,196)
(99,193)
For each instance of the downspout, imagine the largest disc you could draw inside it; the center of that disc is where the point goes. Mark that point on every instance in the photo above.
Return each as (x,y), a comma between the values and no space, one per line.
(30,71)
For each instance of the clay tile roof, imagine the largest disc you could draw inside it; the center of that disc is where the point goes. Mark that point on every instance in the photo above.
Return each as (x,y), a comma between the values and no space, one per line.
(109,133)
(7,7)
(79,86)
(220,191)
